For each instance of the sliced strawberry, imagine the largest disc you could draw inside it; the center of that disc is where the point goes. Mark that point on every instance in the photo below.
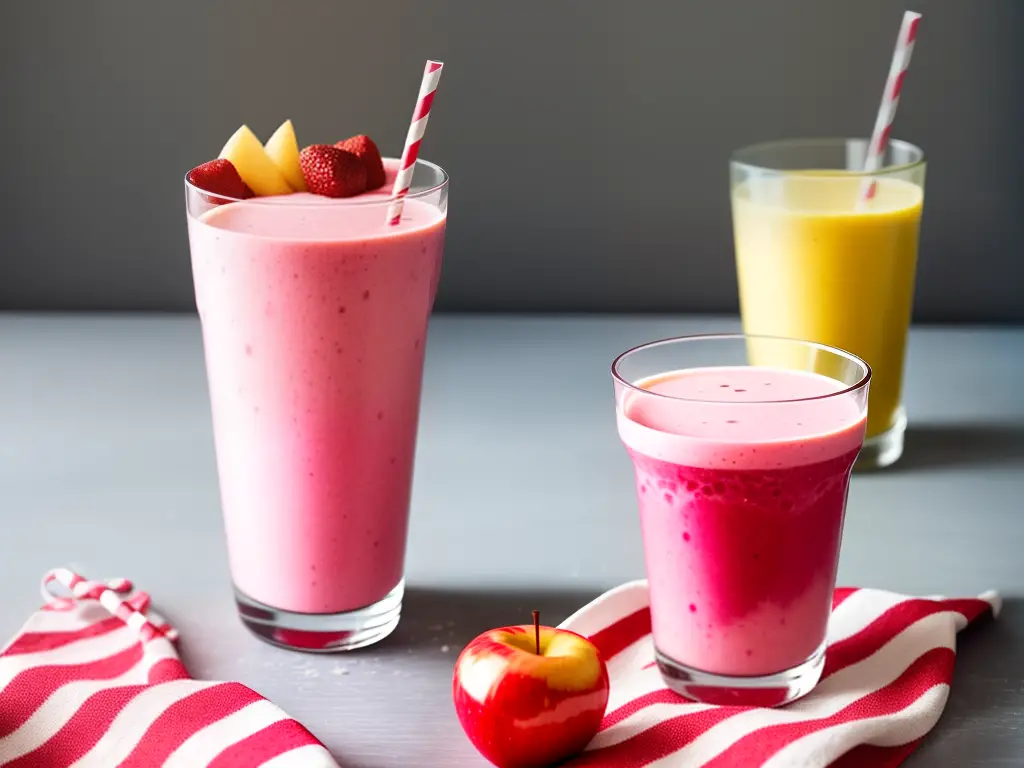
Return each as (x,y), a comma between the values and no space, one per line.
(220,178)
(363,147)
(331,171)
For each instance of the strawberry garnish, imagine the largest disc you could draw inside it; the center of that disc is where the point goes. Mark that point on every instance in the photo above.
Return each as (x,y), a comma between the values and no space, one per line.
(363,147)
(220,178)
(331,171)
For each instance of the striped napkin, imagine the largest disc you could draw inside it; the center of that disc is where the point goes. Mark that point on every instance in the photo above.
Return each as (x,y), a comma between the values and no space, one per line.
(886,679)
(93,681)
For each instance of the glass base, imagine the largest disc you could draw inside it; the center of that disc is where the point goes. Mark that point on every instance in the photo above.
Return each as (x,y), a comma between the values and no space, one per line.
(322,632)
(753,691)
(883,450)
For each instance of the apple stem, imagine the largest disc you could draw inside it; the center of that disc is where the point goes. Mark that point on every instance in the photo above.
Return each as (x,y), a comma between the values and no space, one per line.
(536,629)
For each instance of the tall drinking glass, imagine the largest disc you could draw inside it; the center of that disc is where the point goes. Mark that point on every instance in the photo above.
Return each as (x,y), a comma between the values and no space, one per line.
(742,471)
(817,260)
(314,316)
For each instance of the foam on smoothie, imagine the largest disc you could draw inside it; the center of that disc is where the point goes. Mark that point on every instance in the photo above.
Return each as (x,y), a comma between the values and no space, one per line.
(740,417)
(304,216)
(827,194)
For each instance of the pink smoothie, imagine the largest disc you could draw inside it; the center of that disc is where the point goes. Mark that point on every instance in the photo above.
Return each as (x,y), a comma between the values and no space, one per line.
(741,506)
(314,316)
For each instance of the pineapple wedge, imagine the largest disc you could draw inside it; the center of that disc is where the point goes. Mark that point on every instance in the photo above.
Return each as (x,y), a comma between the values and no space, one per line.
(283,149)
(253,164)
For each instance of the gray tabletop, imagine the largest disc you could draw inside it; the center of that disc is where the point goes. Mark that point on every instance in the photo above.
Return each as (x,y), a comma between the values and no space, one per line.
(522,499)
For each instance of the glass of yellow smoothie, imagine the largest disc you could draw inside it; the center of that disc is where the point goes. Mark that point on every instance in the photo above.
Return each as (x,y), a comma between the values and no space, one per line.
(827,253)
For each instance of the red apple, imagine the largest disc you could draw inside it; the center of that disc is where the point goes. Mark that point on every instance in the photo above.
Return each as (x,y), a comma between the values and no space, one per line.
(530,696)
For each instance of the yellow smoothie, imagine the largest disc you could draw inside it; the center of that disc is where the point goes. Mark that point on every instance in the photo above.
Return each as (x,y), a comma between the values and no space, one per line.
(813,265)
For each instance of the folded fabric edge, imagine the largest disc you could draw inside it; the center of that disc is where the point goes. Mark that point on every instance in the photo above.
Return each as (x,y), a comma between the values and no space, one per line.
(994,599)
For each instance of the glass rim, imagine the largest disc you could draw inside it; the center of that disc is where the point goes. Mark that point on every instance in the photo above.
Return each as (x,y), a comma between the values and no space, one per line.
(862,364)
(332,201)
(736,158)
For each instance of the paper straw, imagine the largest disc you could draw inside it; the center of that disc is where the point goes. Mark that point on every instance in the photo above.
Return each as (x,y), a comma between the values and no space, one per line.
(431,75)
(890,100)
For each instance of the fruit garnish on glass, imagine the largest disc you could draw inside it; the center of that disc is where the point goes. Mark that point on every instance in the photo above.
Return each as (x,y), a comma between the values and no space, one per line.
(246,168)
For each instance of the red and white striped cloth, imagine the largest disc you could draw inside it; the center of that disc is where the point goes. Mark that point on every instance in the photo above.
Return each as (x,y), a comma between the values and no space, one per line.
(93,681)
(887,673)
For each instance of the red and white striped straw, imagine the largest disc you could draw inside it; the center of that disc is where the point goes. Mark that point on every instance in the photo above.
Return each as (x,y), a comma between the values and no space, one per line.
(890,100)
(431,76)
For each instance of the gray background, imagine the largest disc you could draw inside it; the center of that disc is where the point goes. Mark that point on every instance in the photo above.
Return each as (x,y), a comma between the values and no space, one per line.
(588,140)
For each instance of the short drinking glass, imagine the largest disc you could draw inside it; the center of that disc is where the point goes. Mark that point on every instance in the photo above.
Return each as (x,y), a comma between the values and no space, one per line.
(742,473)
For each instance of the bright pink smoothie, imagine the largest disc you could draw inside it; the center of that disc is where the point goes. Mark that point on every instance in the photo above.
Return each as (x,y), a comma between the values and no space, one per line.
(314,316)
(741,505)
